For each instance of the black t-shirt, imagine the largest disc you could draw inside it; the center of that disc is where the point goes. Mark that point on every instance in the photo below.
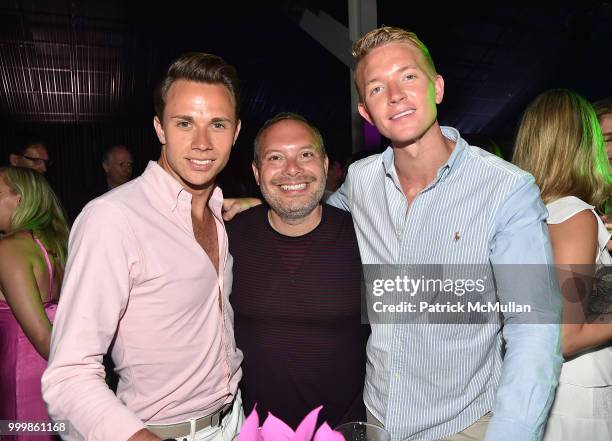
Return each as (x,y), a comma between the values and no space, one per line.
(298,318)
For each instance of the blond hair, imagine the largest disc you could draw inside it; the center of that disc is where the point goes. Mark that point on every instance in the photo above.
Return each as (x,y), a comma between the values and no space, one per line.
(39,211)
(560,143)
(385,35)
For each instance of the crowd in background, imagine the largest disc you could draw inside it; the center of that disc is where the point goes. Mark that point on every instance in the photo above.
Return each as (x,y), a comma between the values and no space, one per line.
(563,141)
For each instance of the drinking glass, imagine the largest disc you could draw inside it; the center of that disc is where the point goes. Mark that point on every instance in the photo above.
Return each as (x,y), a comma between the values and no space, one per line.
(360,431)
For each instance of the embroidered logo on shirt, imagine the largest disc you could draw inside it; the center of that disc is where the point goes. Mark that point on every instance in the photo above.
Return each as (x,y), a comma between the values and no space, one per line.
(457,236)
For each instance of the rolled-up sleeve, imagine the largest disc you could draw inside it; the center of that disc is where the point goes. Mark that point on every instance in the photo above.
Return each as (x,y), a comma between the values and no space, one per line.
(101,266)
(522,261)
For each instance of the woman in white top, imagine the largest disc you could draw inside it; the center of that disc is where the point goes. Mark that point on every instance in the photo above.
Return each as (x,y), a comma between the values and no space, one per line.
(560,142)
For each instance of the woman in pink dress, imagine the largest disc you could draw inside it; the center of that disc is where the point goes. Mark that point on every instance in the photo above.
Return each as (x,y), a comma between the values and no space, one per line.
(33,242)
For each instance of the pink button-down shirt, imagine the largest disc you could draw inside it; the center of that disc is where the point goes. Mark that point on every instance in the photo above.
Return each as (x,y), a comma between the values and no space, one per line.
(135,273)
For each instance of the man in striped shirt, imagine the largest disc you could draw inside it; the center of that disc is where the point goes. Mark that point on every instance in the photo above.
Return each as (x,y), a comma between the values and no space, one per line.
(430,198)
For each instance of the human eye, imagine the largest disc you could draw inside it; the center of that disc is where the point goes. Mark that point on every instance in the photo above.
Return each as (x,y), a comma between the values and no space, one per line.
(219,125)
(375,90)
(273,157)
(308,154)
(409,76)
(182,124)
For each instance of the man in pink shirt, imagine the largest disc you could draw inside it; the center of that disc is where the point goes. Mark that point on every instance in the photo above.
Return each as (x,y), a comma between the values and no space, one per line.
(149,275)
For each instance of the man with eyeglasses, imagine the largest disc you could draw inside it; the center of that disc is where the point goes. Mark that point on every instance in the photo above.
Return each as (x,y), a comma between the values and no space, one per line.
(34,155)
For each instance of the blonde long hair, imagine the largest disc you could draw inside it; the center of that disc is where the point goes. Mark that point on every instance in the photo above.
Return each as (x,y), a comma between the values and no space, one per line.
(38,211)
(559,141)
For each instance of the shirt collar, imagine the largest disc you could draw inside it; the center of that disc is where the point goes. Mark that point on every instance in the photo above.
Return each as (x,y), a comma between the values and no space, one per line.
(171,193)
(460,147)
(454,159)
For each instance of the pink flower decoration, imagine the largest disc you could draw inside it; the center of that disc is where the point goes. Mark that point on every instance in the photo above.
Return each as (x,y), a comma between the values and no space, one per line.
(274,429)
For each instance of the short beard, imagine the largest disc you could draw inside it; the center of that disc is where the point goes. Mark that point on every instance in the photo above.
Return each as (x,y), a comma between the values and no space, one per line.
(293,215)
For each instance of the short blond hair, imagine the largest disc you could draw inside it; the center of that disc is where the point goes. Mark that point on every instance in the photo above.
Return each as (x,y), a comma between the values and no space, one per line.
(559,141)
(388,34)
(385,35)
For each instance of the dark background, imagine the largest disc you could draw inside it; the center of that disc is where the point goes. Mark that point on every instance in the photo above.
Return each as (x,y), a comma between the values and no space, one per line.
(79,74)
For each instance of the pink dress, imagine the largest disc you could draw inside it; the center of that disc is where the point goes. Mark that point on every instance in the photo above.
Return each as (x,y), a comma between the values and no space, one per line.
(21,368)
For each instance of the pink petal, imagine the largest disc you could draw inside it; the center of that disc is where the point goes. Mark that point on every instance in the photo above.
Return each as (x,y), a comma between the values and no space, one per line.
(250,427)
(325,433)
(306,428)
(274,429)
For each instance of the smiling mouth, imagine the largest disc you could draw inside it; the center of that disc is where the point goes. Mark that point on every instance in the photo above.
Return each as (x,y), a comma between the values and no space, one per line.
(201,161)
(404,113)
(292,187)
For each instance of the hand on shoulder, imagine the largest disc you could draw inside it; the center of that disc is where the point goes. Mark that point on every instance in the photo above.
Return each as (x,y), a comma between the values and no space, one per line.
(233,206)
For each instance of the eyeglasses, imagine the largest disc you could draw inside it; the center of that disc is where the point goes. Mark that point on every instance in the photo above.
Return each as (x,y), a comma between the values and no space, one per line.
(38,161)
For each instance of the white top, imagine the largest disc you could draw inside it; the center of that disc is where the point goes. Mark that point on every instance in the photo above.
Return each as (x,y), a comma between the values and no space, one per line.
(564,208)
(593,368)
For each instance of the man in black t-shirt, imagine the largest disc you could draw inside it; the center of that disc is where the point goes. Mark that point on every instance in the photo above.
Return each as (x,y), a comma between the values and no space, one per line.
(296,289)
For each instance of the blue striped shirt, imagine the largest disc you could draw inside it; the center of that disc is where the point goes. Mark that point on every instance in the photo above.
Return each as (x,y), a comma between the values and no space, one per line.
(430,381)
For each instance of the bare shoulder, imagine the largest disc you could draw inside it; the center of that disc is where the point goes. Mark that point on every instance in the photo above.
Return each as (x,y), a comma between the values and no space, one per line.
(16,249)
(582,225)
(575,239)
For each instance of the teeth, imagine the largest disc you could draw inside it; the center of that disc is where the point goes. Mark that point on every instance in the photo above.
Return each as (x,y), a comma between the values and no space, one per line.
(406,112)
(293,187)
(201,162)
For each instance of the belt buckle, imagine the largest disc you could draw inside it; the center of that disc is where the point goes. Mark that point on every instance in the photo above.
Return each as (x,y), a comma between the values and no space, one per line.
(215,419)
(222,413)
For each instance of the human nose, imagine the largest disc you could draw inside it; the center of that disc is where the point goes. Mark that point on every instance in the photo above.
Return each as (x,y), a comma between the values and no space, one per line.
(202,139)
(396,93)
(292,167)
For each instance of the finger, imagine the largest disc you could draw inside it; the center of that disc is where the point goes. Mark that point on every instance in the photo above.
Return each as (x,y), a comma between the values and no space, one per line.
(227,203)
(229,214)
